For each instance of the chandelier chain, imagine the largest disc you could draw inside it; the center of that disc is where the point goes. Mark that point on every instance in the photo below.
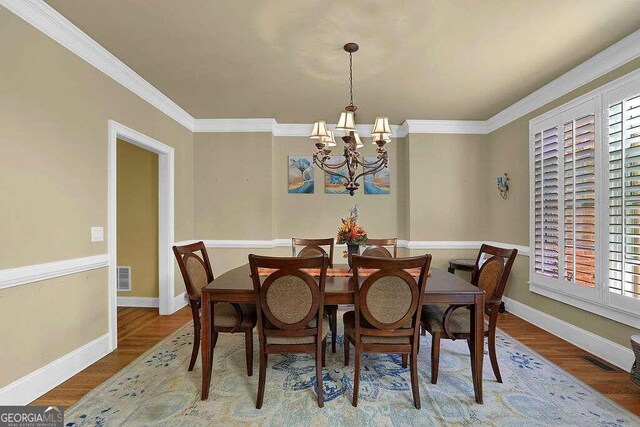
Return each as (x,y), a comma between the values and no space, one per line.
(351,78)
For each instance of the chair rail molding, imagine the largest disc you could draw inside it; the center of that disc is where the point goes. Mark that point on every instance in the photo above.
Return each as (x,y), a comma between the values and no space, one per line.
(413,244)
(35,273)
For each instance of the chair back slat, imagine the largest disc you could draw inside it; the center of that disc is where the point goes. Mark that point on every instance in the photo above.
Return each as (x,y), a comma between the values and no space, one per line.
(312,247)
(389,300)
(289,299)
(195,267)
(378,248)
(492,269)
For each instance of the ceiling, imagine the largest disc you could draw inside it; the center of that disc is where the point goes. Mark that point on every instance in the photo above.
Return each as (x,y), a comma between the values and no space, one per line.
(418,59)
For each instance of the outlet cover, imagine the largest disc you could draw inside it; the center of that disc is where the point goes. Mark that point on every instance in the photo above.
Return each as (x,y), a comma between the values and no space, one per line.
(97,234)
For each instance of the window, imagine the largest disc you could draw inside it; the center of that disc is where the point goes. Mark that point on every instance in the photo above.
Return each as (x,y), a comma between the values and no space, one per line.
(585,207)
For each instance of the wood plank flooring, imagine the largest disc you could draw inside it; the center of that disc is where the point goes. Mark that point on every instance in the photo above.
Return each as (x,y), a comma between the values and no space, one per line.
(141,328)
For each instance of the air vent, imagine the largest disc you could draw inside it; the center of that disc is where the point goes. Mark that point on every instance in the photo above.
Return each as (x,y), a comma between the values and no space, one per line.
(124,278)
(600,364)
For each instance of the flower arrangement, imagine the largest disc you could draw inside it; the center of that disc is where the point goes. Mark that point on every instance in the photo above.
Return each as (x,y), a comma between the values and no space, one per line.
(350,232)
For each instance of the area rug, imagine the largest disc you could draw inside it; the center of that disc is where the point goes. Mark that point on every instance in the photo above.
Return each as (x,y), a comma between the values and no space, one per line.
(157,389)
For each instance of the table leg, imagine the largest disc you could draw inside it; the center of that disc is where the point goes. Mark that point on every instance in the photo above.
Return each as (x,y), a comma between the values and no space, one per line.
(207,346)
(477,343)
(451,269)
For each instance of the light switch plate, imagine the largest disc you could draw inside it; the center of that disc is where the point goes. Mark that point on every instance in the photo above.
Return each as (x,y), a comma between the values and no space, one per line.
(97,234)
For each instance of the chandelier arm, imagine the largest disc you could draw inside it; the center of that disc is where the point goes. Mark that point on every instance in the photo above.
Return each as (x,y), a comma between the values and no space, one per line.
(378,168)
(371,164)
(330,172)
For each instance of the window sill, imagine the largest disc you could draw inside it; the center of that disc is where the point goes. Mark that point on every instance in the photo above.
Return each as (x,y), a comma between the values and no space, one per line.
(600,309)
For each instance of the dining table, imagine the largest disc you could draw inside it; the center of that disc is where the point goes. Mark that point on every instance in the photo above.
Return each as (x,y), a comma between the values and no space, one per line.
(236,286)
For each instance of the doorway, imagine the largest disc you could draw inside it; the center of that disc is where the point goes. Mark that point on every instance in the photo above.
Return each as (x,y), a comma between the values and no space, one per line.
(165,156)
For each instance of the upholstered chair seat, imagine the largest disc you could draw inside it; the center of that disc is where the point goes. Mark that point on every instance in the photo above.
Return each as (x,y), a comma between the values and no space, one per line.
(459,322)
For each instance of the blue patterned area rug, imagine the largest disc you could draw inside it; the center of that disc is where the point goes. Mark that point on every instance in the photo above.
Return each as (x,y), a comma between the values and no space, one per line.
(157,389)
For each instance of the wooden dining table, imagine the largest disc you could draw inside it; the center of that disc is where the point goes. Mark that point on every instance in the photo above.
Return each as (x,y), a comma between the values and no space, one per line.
(236,286)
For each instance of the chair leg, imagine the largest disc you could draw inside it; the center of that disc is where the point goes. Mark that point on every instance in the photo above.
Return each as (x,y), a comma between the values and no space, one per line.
(324,352)
(415,388)
(356,377)
(261,378)
(196,342)
(492,355)
(319,362)
(471,354)
(405,359)
(435,357)
(333,323)
(248,344)
(346,350)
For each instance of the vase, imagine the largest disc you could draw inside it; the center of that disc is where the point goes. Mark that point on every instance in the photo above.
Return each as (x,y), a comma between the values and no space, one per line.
(352,249)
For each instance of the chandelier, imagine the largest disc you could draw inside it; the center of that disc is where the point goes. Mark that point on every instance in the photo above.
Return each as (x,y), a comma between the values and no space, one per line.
(324,140)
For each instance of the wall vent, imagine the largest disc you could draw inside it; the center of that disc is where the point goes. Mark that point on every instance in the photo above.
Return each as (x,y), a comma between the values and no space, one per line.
(123,278)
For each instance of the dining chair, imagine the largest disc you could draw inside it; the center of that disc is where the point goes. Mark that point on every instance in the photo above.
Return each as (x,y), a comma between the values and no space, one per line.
(377,248)
(386,318)
(195,267)
(290,311)
(490,273)
(316,247)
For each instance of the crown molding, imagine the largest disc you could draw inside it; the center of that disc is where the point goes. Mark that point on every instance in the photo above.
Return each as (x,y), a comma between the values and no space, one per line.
(46,19)
(476,127)
(43,17)
(598,65)
(234,125)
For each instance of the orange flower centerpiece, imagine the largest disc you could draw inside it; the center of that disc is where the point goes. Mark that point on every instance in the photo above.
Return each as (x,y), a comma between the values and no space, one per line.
(351,234)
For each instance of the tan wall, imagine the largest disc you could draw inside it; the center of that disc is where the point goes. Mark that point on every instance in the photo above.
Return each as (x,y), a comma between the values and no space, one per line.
(318,215)
(509,219)
(449,187)
(137,218)
(232,186)
(54,110)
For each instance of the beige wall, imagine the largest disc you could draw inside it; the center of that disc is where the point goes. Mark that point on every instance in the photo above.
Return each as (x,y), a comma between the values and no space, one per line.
(54,110)
(232,186)
(137,218)
(509,219)
(449,187)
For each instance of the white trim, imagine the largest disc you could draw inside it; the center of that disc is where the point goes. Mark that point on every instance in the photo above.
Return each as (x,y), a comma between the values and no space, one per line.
(234,125)
(600,64)
(610,351)
(34,273)
(166,171)
(416,244)
(476,127)
(138,302)
(180,301)
(31,386)
(596,307)
(53,24)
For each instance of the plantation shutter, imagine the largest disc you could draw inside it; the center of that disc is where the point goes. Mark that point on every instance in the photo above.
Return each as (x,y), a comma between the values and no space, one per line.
(624,197)
(546,202)
(579,201)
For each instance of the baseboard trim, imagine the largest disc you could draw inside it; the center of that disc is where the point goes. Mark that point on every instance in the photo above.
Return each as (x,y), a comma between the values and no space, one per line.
(180,301)
(30,387)
(35,273)
(612,352)
(138,302)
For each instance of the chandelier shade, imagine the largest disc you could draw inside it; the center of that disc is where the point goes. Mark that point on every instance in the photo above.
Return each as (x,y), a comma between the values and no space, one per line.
(347,121)
(353,166)
(319,130)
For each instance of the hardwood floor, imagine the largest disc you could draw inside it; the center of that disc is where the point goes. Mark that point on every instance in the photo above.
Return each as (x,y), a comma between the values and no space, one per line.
(141,328)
